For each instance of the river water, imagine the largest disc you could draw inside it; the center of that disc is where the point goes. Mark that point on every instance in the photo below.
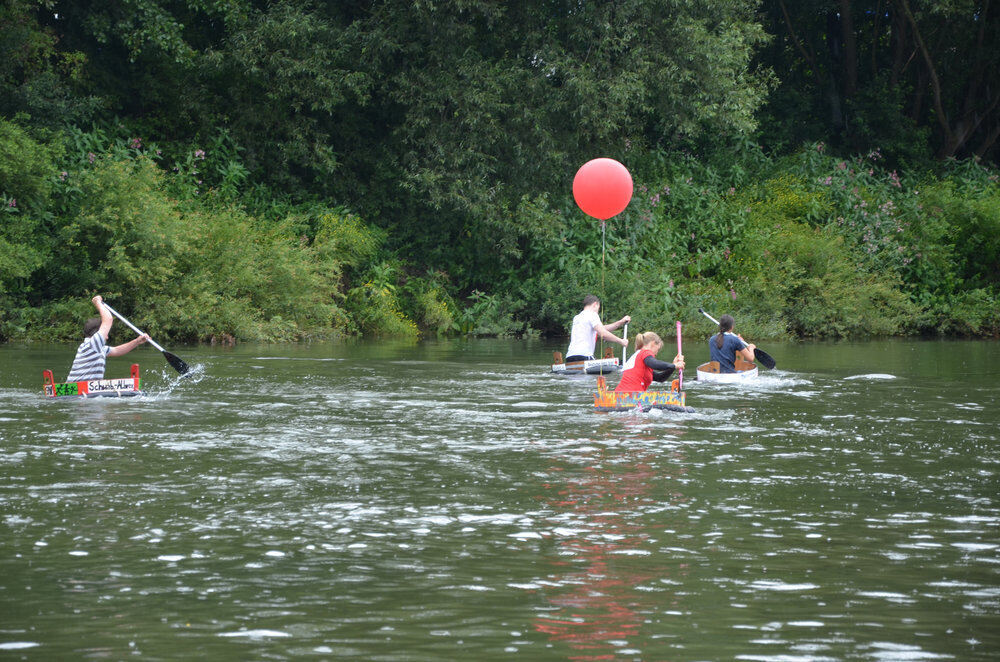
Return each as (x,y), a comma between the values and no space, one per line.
(451,500)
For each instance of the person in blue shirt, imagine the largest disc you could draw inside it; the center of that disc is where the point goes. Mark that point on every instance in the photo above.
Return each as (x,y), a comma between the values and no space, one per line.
(725,346)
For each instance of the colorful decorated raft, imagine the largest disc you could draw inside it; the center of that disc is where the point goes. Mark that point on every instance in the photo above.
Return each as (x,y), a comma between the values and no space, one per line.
(712,372)
(605,366)
(95,388)
(672,400)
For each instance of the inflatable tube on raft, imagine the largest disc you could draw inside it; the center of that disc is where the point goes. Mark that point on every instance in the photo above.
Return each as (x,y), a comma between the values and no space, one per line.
(592,367)
(677,408)
(113,394)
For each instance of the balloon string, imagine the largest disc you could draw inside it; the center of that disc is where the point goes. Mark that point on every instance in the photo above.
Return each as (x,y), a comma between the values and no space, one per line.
(603,293)
(602,258)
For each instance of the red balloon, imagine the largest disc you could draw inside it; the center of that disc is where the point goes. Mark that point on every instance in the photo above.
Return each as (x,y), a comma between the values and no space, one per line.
(602,188)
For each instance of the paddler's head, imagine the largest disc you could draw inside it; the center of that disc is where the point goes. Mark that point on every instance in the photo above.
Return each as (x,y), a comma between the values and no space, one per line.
(725,326)
(592,302)
(648,340)
(91,326)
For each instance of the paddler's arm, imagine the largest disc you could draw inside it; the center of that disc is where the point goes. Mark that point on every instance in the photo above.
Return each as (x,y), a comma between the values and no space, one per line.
(661,369)
(616,325)
(125,348)
(603,331)
(747,352)
(106,319)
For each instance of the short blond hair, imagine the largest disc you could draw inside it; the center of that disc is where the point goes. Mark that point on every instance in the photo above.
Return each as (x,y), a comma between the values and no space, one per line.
(647,338)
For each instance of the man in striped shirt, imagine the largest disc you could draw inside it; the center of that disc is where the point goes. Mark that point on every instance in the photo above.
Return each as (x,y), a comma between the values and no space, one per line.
(93,351)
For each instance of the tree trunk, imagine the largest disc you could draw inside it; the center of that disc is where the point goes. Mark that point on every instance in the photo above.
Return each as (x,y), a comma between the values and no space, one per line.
(806,52)
(988,142)
(875,37)
(950,143)
(919,90)
(834,39)
(849,62)
(900,47)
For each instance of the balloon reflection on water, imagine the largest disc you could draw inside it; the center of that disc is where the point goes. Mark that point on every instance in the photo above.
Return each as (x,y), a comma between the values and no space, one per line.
(598,605)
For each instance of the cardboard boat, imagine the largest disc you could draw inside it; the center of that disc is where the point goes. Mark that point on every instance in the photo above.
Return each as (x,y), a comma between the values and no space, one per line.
(712,372)
(603,366)
(94,388)
(672,400)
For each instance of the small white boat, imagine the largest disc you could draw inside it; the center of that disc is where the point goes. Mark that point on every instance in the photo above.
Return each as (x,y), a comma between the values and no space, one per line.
(711,372)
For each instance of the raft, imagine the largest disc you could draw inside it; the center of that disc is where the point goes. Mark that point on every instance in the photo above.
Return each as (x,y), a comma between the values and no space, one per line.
(95,388)
(672,400)
(605,366)
(710,372)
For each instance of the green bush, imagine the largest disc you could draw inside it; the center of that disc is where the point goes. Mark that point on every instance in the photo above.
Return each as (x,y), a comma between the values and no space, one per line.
(375,311)
(27,175)
(190,271)
(27,167)
(807,277)
(489,315)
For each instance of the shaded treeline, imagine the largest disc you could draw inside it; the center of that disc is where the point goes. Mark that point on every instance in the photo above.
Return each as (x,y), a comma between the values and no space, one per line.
(916,79)
(299,169)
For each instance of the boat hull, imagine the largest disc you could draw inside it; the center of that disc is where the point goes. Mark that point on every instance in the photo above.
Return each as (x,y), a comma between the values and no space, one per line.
(710,372)
(128,387)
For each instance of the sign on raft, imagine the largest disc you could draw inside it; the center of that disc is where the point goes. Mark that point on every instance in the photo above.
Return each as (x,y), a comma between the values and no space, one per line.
(605,400)
(94,388)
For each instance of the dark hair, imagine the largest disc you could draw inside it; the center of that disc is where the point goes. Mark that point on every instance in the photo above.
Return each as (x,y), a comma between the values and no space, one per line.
(589,299)
(91,326)
(725,324)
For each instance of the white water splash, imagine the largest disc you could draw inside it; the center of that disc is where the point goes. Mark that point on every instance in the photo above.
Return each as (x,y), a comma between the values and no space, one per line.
(873,376)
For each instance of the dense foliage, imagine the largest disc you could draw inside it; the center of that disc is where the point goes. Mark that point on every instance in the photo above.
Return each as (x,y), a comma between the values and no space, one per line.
(296,169)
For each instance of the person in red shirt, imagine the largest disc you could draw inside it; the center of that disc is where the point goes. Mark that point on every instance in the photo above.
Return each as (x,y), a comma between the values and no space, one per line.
(647,368)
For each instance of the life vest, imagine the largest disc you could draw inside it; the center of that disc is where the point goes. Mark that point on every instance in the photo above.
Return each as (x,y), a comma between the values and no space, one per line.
(639,376)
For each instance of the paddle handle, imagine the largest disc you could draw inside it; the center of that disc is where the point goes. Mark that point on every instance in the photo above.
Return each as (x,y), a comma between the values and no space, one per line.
(130,325)
(680,372)
(625,348)
(714,321)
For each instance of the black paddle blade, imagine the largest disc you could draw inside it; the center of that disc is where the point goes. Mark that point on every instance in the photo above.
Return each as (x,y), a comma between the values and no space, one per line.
(176,363)
(764,358)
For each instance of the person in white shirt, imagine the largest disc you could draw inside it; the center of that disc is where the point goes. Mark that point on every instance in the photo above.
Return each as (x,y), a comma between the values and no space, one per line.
(93,352)
(587,327)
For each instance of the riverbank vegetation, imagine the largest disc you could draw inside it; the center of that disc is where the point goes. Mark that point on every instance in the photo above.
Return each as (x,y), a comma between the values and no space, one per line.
(298,171)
